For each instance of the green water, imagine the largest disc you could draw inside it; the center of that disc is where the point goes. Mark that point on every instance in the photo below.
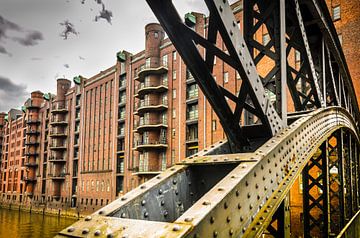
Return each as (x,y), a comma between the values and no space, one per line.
(15,224)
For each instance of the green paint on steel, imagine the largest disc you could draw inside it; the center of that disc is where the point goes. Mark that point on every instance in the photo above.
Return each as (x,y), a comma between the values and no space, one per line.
(121,56)
(6,118)
(23,108)
(77,80)
(190,19)
(47,96)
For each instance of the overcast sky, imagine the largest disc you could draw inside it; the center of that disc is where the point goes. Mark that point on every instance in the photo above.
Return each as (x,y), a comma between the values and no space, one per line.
(34,51)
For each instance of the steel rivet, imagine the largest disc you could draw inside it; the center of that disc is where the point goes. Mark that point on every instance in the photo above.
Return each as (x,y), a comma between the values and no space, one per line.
(228,219)
(85,231)
(146,214)
(206,203)
(71,229)
(215,234)
(123,198)
(143,202)
(189,219)
(212,220)
(176,228)
(97,233)
(88,218)
(101,212)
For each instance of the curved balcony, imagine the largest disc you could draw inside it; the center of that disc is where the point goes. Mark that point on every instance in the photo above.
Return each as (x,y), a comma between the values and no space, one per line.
(32,106)
(143,125)
(32,132)
(145,70)
(33,121)
(57,133)
(61,122)
(143,145)
(151,105)
(29,180)
(57,176)
(59,109)
(31,154)
(57,160)
(31,143)
(147,87)
(31,164)
(58,146)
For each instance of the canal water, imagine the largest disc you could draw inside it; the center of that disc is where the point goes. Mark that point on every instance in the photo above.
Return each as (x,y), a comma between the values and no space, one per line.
(14,224)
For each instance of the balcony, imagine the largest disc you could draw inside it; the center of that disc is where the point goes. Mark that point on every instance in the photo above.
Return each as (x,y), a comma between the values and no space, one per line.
(32,132)
(122,102)
(58,108)
(29,180)
(31,154)
(57,133)
(58,176)
(122,85)
(58,122)
(57,160)
(153,144)
(32,121)
(192,117)
(121,116)
(57,146)
(150,124)
(191,139)
(148,69)
(31,105)
(31,164)
(142,170)
(192,96)
(189,77)
(31,143)
(151,87)
(151,105)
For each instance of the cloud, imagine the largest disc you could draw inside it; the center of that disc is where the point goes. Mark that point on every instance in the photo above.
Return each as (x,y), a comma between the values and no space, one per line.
(30,39)
(11,94)
(66,66)
(26,38)
(81,58)
(36,58)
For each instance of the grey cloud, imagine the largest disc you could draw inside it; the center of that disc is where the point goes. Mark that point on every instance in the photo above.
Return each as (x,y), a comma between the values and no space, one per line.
(81,58)
(30,39)
(11,94)
(66,66)
(36,58)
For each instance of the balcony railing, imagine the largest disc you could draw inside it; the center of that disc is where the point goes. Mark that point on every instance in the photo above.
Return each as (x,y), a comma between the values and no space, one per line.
(33,120)
(151,103)
(57,146)
(152,68)
(122,85)
(149,143)
(57,133)
(152,86)
(56,159)
(192,94)
(192,115)
(59,107)
(143,123)
(60,176)
(120,168)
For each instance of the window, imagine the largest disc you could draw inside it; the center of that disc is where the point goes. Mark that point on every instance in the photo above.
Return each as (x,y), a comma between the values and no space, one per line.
(172,156)
(213,125)
(214,60)
(163,161)
(174,74)
(174,93)
(238,24)
(336,13)
(173,133)
(174,55)
(266,38)
(156,35)
(174,113)
(226,77)
(147,62)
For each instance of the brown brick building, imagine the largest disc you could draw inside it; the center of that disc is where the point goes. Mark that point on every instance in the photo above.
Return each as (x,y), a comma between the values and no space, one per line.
(102,136)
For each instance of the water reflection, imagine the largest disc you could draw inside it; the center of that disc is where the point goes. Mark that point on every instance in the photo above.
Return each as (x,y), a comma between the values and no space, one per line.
(15,224)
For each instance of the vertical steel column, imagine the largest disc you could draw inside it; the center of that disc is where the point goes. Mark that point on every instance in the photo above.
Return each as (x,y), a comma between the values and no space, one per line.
(342,176)
(315,194)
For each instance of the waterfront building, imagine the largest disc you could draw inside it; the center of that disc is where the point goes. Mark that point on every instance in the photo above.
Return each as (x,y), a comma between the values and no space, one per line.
(99,137)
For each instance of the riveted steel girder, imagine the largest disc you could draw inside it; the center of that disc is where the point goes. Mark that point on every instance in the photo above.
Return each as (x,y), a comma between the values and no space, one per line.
(193,200)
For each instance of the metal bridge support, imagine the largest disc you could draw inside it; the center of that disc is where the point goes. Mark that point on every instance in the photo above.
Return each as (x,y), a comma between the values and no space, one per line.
(315,194)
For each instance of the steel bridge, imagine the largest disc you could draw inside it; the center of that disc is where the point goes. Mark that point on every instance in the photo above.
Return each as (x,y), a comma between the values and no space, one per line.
(239,187)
